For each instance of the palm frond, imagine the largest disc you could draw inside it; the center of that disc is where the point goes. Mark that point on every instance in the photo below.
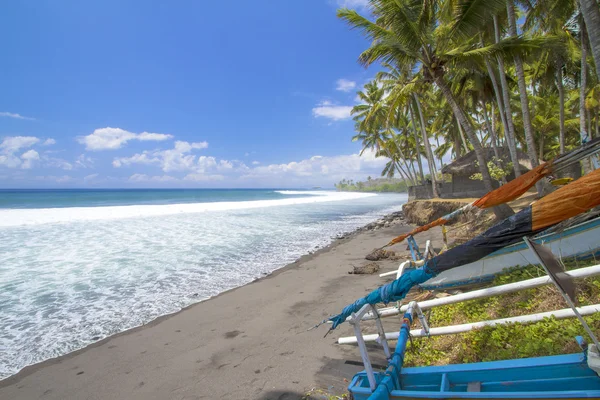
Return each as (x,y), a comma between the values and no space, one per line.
(472,15)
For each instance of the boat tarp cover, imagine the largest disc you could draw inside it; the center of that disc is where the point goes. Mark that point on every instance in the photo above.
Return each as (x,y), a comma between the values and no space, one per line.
(562,204)
(511,190)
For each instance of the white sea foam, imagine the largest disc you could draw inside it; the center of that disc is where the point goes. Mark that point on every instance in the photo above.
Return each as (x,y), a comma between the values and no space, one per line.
(66,285)
(20,217)
(308,192)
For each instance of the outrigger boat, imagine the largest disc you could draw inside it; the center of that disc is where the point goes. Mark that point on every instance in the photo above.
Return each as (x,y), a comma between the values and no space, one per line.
(571,376)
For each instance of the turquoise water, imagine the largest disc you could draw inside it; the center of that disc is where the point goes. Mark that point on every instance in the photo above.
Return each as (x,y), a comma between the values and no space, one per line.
(78,266)
(51,198)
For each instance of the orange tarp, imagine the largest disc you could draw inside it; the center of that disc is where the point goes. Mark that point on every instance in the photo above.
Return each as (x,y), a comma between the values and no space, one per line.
(514,188)
(567,201)
(437,222)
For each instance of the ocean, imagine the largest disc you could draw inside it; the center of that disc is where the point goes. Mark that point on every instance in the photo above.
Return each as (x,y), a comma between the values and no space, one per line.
(77,266)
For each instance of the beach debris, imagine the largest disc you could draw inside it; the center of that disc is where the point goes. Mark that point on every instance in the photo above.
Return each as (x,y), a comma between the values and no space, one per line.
(369,268)
(380,254)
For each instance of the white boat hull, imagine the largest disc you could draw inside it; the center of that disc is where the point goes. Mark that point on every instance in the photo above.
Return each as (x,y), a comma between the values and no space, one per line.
(580,241)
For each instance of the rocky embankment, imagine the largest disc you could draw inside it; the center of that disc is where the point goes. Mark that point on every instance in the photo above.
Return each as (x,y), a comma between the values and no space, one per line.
(422,212)
(392,219)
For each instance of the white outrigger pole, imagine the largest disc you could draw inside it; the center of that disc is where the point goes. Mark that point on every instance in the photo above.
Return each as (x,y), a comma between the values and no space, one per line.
(487,292)
(369,313)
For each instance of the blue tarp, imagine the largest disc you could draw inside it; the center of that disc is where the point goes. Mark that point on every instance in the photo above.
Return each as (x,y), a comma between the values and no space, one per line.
(393,291)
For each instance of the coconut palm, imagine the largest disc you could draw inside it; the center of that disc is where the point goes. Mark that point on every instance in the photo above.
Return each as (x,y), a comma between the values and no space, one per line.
(370,117)
(406,32)
(591,15)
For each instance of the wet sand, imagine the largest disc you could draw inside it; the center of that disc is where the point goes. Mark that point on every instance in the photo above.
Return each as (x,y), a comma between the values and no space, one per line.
(248,343)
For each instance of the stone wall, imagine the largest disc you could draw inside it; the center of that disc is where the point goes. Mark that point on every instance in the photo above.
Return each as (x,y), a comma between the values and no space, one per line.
(460,187)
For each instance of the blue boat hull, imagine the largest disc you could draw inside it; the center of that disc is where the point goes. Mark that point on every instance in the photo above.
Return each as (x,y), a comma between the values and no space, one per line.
(553,377)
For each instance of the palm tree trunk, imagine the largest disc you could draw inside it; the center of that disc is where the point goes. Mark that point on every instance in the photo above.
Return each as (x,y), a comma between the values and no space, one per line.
(498,95)
(411,177)
(596,123)
(468,129)
(499,141)
(437,141)
(529,137)
(541,156)
(462,135)
(428,151)
(503,210)
(582,91)
(491,129)
(398,166)
(583,86)
(561,108)
(417,147)
(510,134)
(589,122)
(456,148)
(591,15)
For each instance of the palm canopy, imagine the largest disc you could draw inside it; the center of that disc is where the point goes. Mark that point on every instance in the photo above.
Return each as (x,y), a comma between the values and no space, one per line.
(409,33)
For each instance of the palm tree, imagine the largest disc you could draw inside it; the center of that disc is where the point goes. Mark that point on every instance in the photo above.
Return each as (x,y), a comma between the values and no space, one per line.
(591,15)
(369,118)
(407,33)
(389,79)
(529,138)
(552,17)
(510,133)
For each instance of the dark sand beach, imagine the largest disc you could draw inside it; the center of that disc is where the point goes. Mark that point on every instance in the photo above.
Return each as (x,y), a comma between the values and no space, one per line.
(248,343)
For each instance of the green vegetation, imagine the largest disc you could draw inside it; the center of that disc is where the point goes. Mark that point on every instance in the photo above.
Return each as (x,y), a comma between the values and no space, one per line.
(548,337)
(498,171)
(460,76)
(371,185)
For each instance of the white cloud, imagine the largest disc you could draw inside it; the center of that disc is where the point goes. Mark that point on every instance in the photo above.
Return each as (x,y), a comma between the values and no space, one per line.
(57,163)
(156,137)
(114,138)
(199,177)
(199,145)
(225,165)
(90,177)
(326,109)
(344,85)
(179,158)
(146,178)
(11,145)
(13,115)
(143,158)
(84,161)
(57,179)
(49,142)
(356,4)
(29,158)
(255,162)
(319,169)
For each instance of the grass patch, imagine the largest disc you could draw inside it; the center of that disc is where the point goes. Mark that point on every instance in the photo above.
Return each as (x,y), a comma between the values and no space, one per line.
(547,337)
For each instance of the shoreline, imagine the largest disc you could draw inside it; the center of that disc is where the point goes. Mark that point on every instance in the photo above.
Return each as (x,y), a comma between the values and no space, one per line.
(380,231)
(339,239)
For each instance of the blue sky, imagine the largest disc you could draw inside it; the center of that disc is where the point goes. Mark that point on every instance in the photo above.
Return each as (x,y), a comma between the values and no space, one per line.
(179,94)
